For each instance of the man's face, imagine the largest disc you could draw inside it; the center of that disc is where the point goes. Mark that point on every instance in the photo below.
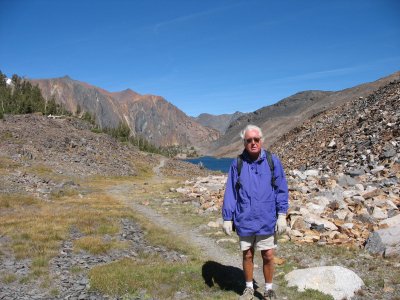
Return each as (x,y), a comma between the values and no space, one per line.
(252,143)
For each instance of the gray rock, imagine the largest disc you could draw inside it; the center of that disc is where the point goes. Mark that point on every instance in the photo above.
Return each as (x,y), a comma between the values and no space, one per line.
(385,242)
(339,282)
(389,153)
(311,173)
(393,221)
(374,244)
(346,180)
(365,218)
(356,172)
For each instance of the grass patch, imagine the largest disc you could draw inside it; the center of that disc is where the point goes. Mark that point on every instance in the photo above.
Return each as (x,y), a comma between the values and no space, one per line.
(16,201)
(8,278)
(65,192)
(37,227)
(76,269)
(293,293)
(7,163)
(40,262)
(395,278)
(98,245)
(54,292)
(144,170)
(7,135)
(41,170)
(25,279)
(153,278)
(108,228)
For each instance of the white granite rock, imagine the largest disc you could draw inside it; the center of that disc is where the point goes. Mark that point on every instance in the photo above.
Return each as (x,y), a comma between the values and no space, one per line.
(391,221)
(339,282)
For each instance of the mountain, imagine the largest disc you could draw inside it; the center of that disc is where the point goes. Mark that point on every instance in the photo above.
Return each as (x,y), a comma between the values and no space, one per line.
(218,122)
(152,117)
(354,138)
(278,119)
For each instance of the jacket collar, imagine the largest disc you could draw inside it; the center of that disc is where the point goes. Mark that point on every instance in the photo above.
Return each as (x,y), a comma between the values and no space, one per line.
(247,158)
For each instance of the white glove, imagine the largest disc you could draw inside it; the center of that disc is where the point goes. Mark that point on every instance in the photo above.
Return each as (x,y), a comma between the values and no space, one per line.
(227,226)
(281,224)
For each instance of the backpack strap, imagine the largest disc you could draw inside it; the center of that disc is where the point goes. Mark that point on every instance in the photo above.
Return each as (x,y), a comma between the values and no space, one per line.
(272,168)
(271,165)
(239,163)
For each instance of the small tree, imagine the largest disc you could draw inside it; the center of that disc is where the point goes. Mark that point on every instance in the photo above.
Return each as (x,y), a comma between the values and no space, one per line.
(78,110)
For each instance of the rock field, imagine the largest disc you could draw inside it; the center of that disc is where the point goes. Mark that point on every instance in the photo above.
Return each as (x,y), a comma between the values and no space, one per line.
(343,172)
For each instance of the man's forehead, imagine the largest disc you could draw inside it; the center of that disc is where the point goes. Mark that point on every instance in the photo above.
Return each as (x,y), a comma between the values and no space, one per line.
(252,133)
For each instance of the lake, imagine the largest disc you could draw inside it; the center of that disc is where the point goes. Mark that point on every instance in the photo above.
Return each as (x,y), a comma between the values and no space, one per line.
(212,163)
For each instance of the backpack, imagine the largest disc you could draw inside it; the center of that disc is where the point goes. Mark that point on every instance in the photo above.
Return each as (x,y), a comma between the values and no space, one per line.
(271,167)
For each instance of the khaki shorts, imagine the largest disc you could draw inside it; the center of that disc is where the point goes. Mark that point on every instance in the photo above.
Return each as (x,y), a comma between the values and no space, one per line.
(258,242)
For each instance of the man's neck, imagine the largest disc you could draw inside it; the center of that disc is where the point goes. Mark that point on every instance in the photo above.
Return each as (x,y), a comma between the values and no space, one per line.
(253,156)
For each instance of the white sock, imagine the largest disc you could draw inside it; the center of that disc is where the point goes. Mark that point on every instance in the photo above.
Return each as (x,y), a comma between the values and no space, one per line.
(268,286)
(249,284)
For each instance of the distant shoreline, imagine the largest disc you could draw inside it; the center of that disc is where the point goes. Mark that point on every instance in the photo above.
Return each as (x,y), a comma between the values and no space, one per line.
(212,163)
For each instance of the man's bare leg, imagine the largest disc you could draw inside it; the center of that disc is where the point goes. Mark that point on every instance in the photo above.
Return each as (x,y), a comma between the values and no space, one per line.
(248,264)
(268,264)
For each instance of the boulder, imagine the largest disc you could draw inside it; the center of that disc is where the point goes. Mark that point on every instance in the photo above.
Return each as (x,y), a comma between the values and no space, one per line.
(313,219)
(393,221)
(385,242)
(339,282)
(346,181)
(311,173)
(379,214)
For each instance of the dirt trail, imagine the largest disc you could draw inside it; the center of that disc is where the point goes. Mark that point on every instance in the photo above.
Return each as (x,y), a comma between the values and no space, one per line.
(208,246)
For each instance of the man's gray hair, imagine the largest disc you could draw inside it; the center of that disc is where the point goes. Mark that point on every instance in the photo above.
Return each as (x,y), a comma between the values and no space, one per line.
(248,128)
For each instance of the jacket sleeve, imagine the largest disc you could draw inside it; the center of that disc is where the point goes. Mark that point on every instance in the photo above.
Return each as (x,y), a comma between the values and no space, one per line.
(282,193)
(229,204)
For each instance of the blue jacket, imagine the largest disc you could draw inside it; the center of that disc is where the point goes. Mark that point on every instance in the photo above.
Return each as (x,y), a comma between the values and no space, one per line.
(254,208)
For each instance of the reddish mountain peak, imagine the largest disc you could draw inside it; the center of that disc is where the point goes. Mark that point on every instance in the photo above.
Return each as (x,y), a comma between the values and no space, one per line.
(126,95)
(129,92)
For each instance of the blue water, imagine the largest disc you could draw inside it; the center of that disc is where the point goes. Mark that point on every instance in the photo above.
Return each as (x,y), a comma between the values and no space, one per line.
(213,163)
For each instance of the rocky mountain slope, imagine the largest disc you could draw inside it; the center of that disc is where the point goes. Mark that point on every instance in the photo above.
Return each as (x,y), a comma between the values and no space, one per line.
(218,122)
(278,119)
(352,138)
(152,117)
(66,147)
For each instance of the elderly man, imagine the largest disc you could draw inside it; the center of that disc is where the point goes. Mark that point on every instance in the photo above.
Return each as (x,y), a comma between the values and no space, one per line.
(256,203)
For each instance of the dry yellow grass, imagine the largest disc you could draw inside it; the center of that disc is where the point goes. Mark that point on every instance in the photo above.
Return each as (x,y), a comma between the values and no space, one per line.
(37,227)
(42,170)
(8,278)
(7,164)
(98,245)
(16,201)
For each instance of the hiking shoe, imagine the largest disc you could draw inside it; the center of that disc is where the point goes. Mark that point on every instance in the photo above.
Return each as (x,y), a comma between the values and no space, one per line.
(248,294)
(269,295)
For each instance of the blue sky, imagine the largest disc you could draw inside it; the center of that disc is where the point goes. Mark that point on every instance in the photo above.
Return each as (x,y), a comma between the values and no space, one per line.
(213,56)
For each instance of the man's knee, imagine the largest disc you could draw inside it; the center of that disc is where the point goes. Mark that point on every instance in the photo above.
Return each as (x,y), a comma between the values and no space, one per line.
(267,255)
(248,254)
